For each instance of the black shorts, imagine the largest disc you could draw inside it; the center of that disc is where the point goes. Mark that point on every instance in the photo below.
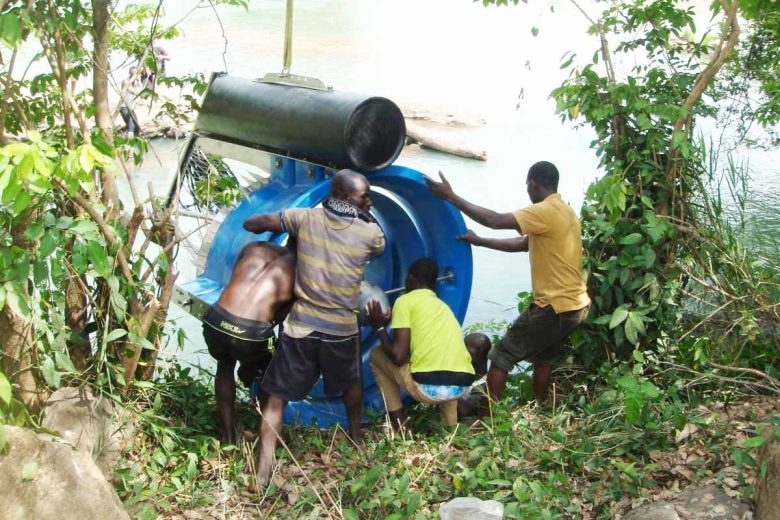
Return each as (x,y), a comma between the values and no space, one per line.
(537,335)
(299,362)
(230,338)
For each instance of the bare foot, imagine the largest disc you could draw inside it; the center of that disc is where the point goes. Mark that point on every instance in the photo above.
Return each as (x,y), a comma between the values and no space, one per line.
(262,481)
(264,469)
(356,436)
(227,439)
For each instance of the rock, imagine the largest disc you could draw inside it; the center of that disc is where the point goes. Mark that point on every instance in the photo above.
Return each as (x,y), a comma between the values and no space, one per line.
(88,424)
(767,486)
(711,502)
(470,508)
(45,480)
(707,502)
(166,114)
(657,511)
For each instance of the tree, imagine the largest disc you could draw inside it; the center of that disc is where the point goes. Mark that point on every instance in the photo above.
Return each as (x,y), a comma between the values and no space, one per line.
(649,234)
(751,84)
(82,294)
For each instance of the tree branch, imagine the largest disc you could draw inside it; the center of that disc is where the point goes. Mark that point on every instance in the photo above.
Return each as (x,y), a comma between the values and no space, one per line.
(728,39)
(6,96)
(605,55)
(105,230)
(752,371)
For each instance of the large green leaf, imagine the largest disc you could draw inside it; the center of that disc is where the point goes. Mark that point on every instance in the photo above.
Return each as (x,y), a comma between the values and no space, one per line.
(15,299)
(34,231)
(115,335)
(5,389)
(49,243)
(636,320)
(649,389)
(629,383)
(99,258)
(10,28)
(64,362)
(630,240)
(50,372)
(618,317)
(753,442)
(5,177)
(631,333)
(21,202)
(85,229)
(633,409)
(40,272)
(86,161)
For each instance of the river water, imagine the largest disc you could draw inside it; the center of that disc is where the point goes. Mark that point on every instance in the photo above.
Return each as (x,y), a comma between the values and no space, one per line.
(449,55)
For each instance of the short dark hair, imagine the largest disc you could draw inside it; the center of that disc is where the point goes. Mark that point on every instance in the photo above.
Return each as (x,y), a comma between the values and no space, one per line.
(544,173)
(425,270)
(344,183)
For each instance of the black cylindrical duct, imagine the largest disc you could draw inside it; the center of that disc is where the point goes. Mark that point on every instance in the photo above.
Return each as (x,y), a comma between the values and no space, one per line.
(339,129)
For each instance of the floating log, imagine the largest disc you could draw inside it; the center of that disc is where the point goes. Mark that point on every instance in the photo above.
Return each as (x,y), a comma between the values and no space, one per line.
(436,141)
(432,133)
(441,117)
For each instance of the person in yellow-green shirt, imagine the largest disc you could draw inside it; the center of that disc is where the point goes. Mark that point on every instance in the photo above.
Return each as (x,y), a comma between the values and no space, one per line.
(550,232)
(427,355)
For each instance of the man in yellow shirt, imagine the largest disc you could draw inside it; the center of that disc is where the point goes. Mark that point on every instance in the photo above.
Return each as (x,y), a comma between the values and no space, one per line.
(550,232)
(427,355)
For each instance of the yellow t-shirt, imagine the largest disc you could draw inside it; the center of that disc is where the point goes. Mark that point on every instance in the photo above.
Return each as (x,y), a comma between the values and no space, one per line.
(436,342)
(555,252)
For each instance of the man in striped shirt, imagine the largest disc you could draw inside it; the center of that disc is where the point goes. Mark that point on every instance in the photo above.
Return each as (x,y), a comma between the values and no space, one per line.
(320,334)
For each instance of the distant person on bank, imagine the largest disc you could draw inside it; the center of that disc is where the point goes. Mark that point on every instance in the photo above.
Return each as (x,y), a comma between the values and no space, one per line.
(427,355)
(239,327)
(130,88)
(320,334)
(550,232)
(159,57)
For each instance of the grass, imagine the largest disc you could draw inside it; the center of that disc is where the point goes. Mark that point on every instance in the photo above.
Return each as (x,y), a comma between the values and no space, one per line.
(580,458)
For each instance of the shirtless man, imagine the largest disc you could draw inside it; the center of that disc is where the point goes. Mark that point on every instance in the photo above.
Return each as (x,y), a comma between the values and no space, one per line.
(239,327)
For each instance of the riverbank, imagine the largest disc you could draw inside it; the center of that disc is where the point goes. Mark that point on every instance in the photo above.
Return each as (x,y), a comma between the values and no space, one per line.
(578,458)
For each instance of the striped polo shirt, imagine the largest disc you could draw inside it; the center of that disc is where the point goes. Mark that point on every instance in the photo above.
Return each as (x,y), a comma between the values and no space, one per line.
(332,252)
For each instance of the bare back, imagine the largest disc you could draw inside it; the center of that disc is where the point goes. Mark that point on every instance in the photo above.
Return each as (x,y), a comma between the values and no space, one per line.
(261,286)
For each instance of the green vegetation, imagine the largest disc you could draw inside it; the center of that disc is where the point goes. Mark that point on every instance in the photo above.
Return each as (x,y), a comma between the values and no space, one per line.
(667,382)
(86,282)
(665,227)
(607,441)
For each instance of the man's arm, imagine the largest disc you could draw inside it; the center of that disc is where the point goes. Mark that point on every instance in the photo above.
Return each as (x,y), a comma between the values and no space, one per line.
(264,222)
(486,217)
(377,245)
(396,349)
(510,245)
